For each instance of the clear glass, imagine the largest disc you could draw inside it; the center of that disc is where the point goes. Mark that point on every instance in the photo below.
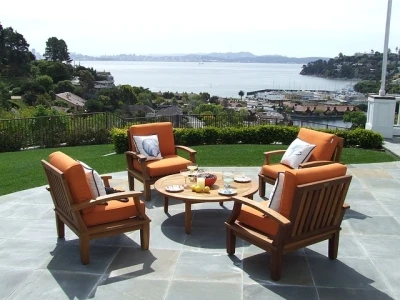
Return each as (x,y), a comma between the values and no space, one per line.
(185,174)
(227,177)
(192,168)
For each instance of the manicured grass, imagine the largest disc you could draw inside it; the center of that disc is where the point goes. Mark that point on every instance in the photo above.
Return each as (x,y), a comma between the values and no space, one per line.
(23,170)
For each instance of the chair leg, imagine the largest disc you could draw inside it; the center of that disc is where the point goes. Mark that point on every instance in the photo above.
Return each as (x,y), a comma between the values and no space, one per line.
(84,249)
(145,236)
(60,227)
(333,246)
(147,191)
(261,186)
(230,242)
(131,181)
(276,259)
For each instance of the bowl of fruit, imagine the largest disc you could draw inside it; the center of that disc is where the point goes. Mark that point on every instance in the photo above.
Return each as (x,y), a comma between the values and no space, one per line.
(210,179)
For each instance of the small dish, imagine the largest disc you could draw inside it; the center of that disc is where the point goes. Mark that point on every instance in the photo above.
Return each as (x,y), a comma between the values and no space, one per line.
(174,188)
(227,192)
(242,179)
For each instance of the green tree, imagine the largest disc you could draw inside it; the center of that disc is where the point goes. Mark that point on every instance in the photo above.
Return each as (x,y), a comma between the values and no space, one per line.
(15,56)
(128,95)
(57,50)
(241,94)
(45,81)
(86,80)
(358,118)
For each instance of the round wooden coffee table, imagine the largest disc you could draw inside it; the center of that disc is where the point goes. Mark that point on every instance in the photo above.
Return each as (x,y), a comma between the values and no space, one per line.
(247,189)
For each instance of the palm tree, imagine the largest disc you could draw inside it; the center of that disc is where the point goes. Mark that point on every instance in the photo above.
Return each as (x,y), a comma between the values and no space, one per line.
(241,94)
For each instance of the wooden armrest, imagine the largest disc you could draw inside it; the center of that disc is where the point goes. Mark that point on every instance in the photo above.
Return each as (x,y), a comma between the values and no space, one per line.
(266,211)
(105,198)
(106,179)
(191,152)
(318,163)
(272,153)
(136,155)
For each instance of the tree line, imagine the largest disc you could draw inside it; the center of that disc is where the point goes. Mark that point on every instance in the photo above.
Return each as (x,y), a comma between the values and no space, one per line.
(366,67)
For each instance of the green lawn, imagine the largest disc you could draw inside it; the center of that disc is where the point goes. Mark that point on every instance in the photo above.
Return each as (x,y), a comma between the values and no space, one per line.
(23,170)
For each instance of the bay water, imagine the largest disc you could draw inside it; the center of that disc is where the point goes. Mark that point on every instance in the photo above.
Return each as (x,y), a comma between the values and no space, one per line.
(215,78)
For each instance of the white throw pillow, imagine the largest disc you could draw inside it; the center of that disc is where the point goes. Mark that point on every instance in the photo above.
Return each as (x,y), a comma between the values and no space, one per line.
(276,193)
(297,153)
(96,184)
(148,146)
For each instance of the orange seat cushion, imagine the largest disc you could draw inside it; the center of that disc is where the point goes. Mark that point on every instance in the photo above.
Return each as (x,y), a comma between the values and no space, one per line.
(303,176)
(74,174)
(272,171)
(165,134)
(114,211)
(170,164)
(255,219)
(326,143)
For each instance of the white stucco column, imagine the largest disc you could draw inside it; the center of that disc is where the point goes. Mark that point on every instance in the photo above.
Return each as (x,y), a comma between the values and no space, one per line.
(380,116)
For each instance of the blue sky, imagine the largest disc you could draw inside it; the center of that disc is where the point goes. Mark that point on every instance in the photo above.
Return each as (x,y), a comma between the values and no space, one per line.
(290,28)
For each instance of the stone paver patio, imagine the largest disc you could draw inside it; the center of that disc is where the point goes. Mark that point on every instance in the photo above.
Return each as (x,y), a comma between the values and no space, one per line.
(34,264)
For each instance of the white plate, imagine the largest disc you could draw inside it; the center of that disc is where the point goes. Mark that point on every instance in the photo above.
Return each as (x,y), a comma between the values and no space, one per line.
(242,179)
(174,188)
(227,192)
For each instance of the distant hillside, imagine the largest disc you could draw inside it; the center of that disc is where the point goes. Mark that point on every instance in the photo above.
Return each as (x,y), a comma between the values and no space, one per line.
(243,57)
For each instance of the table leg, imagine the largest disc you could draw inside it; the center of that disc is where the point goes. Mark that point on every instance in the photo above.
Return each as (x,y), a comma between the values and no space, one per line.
(166,204)
(221,203)
(188,217)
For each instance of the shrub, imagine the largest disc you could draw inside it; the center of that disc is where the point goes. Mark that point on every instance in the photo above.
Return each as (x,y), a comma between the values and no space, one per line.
(120,140)
(265,134)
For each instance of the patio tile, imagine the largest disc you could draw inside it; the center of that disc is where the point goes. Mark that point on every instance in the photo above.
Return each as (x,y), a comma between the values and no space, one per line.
(28,254)
(10,227)
(295,270)
(386,195)
(346,273)
(130,288)
(261,292)
(44,230)
(208,240)
(11,279)
(167,238)
(376,225)
(368,173)
(214,267)
(174,218)
(389,268)
(45,284)
(204,290)
(210,218)
(143,264)
(67,258)
(349,246)
(14,210)
(367,208)
(381,246)
(354,294)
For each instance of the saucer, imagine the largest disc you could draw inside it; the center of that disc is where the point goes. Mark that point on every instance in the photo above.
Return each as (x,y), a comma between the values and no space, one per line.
(174,188)
(227,192)
(242,179)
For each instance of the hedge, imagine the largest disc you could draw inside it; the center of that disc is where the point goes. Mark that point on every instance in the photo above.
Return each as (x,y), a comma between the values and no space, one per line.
(264,134)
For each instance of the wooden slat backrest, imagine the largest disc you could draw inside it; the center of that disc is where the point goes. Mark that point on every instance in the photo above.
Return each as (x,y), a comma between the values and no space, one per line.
(59,190)
(317,207)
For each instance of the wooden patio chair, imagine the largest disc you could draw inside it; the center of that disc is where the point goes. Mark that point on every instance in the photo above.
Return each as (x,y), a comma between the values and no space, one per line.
(89,217)
(328,149)
(310,209)
(148,168)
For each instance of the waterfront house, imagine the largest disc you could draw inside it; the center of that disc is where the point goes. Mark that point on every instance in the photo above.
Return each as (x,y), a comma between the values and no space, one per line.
(74,102)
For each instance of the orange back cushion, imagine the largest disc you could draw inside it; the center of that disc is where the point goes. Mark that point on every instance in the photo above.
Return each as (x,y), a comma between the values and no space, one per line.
(326,143)
(164,132)
(74,174)
(302,176)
